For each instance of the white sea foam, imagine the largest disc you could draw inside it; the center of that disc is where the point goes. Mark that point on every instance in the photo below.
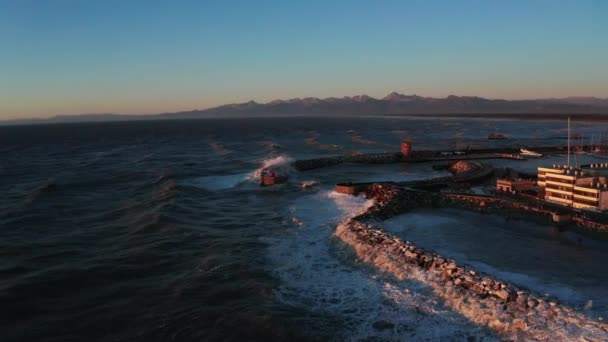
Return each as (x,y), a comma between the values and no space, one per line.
(304,184)
(316,274)
(281,165)
(349,205)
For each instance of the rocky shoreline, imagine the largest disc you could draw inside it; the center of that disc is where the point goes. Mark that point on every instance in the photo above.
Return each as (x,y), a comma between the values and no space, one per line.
(503,307)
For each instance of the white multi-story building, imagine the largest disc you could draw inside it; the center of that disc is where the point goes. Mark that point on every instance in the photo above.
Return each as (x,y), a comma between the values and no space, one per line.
(573,187)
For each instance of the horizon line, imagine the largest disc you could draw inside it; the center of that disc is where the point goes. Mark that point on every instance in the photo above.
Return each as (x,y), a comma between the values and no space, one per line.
(261,102)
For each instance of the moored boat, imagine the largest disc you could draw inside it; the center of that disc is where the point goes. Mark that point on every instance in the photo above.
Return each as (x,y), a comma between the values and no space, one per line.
(530,153)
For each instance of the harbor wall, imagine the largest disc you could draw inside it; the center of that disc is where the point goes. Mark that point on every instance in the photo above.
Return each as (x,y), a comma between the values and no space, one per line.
(367,158)
(503,307)
(595,226)
(398,157)
(353,189)
(416,156)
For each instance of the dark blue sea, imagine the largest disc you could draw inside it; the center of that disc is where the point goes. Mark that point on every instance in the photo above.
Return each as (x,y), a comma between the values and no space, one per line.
(159,231)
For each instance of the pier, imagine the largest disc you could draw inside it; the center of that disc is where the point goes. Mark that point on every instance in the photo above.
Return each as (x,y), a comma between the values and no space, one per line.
(388,158)
(408,155)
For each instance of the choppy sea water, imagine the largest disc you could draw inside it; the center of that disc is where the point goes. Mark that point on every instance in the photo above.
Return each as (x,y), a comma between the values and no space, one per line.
(158,230)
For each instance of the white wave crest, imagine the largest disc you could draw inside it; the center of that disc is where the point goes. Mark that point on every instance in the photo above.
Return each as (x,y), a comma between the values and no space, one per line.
(307,184)
(314,276)
(349,205)
(281,165)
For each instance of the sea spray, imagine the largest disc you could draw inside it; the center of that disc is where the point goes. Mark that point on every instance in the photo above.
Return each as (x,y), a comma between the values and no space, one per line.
(281,165)
(350,205)
(319,277)
(308,184)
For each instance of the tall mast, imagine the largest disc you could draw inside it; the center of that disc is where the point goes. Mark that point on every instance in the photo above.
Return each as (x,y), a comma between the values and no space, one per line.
(568,142)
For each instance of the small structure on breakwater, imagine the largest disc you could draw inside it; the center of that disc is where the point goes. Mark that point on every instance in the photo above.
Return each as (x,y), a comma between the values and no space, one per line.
(561,217)
(353,189)
(514,185)
(406,149)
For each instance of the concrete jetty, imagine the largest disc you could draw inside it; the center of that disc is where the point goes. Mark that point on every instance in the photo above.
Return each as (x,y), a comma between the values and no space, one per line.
(388,158)
(408,155)
(505,204)
(463,172)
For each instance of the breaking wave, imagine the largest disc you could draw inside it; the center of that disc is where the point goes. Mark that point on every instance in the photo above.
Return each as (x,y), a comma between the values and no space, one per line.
(349,205)
(307,184)
(281,165)
(316,274)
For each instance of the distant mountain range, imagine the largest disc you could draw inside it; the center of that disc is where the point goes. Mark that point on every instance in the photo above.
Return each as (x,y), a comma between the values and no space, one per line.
(392,104)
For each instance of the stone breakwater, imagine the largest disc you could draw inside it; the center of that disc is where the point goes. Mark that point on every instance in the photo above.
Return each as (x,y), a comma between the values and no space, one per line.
(512,312)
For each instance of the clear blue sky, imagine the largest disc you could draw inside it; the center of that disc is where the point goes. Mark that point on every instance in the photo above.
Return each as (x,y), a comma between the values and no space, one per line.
(64,57)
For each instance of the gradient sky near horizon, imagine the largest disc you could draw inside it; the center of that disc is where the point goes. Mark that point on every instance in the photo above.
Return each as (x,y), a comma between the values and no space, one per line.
(67,57)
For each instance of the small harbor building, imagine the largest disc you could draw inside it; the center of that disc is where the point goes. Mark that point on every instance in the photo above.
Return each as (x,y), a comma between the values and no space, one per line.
(514,185)
(573,187)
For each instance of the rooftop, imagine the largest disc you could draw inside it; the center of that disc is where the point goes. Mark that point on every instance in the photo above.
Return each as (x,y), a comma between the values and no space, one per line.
(582,175)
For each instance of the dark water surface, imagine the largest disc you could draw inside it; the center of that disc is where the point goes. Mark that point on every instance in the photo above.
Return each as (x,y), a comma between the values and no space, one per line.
(157,230)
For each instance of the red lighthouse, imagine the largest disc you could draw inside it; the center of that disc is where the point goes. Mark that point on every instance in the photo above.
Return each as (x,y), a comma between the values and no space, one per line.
(406,149)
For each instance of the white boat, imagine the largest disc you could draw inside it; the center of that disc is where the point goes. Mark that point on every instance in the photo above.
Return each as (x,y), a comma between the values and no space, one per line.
(530,153)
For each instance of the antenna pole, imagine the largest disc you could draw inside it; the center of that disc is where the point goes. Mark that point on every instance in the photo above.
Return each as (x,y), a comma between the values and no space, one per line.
(568,142)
